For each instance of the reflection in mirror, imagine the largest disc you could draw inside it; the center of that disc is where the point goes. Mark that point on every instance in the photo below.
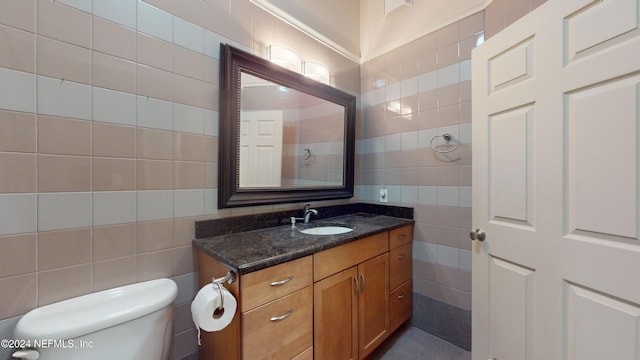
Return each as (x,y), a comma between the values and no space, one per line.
(287,137)
(283,137)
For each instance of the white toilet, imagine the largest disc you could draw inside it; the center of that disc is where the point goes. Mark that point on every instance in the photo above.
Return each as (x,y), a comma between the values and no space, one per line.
(133,322)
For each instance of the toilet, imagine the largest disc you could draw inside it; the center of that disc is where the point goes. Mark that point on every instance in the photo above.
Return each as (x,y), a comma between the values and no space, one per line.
(131,322)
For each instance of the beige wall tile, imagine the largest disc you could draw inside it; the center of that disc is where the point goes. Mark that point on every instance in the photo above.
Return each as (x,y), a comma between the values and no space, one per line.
(210,175)
(63,136)
(155,265)
(114,273)
(114,140)
(188,175)
(62,60)
(20,14)
(472,25)
(448,115)
(58,249)
(18,255)
(17,131)
(65,283)
(448,35)
(113,73)
(195,92)
(154,175)
(154,82)
(448,175)
(184,260)
(188,63)
(17,49)
(18,174)
(113,174)
(448,216)
(64,173)
(154,144)
(191,147)
(114,39)
(211,70)
(155,52)
(64,23)
(114,241)
(449,95)
(448,55)
(22,296)
(155,235)
(183,231)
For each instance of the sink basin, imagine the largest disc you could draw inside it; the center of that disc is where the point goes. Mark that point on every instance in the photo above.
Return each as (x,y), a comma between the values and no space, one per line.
(326,230)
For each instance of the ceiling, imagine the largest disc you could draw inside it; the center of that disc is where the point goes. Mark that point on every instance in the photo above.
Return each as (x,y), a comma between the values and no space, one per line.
(360,30)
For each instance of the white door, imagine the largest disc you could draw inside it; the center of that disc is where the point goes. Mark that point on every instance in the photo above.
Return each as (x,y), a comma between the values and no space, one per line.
(556,104)
(260,148)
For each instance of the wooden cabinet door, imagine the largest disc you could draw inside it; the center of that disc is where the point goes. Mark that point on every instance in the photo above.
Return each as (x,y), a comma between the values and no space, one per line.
(373,303)
(335,317)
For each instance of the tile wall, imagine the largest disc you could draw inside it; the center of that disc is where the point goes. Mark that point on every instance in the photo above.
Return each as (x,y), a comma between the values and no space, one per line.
(409,96)
(501,13)
(108,142)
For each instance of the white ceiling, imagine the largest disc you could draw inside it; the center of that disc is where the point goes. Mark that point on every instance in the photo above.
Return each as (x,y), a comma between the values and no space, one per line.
(360,30)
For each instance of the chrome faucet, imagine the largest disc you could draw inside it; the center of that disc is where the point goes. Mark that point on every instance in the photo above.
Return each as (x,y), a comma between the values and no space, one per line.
(306,216)
(307,213)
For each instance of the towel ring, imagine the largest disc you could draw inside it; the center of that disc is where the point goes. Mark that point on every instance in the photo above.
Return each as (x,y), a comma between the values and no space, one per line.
(307,156)
(307,153)
(447,137)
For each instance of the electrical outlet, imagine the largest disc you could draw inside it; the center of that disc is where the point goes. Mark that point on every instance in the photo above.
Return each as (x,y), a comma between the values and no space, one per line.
(384,196)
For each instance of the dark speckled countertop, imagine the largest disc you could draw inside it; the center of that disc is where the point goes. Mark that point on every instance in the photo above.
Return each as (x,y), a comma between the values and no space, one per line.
(244,252)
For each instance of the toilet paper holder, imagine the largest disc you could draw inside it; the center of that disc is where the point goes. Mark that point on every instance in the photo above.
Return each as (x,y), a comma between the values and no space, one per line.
(230,278)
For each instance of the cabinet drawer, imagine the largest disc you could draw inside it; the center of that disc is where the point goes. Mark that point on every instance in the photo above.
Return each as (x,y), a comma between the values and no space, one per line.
(269,333)
(400,305)
(342,257)
(260,287)
(306,355)
(400,236)
(400,265)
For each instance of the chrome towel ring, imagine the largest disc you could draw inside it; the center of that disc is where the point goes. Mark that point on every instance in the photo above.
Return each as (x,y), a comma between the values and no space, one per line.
(447,138)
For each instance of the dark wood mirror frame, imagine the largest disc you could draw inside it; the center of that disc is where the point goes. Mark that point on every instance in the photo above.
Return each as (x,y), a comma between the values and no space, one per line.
(234,61)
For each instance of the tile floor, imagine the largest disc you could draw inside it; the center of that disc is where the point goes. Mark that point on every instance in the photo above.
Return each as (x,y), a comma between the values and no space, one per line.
(411,343)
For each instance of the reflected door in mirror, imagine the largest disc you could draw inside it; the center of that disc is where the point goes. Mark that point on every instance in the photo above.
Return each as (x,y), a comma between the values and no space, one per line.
(260,148)
(311,130)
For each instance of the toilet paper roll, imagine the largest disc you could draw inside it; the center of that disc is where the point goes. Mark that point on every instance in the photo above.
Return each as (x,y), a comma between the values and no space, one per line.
(204,305)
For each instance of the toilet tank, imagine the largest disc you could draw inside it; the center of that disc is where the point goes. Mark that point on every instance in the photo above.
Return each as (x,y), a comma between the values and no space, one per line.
(128,322)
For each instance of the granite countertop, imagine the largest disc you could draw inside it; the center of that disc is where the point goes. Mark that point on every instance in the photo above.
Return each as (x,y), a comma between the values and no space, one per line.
(245,252)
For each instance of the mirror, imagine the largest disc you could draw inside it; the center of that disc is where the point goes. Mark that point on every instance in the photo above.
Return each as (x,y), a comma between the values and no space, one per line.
(283,137)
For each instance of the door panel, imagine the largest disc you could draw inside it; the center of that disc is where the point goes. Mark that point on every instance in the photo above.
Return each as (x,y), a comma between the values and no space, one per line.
(593,168)
(510,139)
(335,317)
(511,309)
(373,303)
(618,333)
(556,184)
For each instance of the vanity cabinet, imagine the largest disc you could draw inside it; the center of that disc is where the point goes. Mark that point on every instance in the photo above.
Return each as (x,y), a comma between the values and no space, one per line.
(274,319)
(339,303)
(400,275)
(351,298)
